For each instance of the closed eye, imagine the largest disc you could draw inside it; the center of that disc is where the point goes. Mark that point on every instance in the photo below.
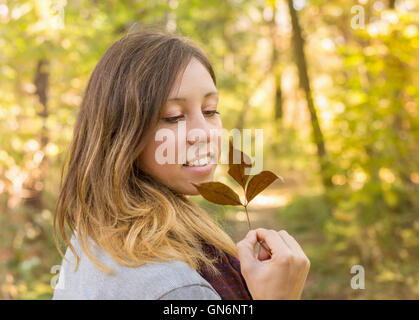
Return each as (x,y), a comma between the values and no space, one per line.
(210,112)
(173,119)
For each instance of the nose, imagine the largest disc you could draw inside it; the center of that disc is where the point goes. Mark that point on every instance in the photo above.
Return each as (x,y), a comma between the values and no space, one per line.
(198,129)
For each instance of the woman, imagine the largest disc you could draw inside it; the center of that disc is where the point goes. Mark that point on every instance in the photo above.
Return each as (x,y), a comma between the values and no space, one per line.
(130,229)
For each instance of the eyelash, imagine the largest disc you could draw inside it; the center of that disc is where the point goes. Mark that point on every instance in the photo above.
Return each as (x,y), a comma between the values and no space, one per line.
(210,113)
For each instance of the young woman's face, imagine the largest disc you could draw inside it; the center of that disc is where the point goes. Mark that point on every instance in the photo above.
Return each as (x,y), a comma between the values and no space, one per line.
(191,119)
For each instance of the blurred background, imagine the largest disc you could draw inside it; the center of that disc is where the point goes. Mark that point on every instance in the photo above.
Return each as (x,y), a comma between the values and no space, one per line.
(334,85)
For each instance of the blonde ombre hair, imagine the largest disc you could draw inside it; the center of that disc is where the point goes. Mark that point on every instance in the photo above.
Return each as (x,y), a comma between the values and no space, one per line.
(104,196)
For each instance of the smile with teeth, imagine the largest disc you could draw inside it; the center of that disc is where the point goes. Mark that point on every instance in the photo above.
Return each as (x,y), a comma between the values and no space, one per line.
(199,162)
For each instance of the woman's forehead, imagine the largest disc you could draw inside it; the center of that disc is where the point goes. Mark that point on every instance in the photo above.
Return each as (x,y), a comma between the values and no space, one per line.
(195,79)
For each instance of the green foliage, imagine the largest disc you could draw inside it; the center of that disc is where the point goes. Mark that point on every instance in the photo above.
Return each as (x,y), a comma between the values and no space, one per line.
(364,87)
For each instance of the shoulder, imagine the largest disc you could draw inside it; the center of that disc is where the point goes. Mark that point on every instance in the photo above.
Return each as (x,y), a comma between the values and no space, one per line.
(164,280)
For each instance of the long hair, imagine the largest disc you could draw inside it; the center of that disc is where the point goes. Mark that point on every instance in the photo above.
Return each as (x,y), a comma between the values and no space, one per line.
(104,195)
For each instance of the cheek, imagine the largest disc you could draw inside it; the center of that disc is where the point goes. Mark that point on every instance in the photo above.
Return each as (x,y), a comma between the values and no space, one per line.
(148,161)
(145,161)
(217,125)
(216,122)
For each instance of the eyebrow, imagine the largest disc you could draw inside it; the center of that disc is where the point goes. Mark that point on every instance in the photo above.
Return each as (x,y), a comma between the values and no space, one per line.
(212,93)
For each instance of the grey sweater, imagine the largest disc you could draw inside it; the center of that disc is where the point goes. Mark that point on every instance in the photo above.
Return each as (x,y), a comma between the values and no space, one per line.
(153,281)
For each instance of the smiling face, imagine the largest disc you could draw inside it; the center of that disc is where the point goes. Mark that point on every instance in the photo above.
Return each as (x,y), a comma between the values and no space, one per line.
(192,104)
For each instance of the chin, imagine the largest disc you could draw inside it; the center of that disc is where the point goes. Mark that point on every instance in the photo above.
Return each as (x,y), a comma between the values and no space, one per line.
(185,190)
(192,192)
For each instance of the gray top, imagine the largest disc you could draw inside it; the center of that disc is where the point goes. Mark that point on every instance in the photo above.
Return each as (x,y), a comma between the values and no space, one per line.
(152,281)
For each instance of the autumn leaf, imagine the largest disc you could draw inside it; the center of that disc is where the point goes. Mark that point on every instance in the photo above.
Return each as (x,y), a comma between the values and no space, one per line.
(237,170)
(219,193)
(234,153)
(259,183)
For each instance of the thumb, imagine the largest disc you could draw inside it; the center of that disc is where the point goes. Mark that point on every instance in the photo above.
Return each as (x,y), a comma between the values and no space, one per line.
(245,249)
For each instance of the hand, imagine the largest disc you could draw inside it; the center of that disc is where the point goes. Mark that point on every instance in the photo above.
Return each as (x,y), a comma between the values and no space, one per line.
(281,276)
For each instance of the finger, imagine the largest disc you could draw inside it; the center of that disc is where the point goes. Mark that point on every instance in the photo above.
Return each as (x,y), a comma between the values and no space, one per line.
(273,241)
(279,233)
(246,247)
(292,243)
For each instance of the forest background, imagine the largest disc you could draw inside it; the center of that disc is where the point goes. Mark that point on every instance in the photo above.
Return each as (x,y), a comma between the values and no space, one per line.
(334,85)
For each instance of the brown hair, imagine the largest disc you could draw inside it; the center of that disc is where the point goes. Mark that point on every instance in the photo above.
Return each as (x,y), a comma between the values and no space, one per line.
(105,196)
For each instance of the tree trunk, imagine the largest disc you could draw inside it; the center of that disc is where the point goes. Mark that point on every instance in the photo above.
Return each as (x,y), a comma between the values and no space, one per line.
(278,105)
(34,184)
(392,4)
(305,85)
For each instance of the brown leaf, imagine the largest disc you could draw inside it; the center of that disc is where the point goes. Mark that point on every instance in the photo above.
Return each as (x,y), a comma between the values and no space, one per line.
(245,160)
(237,173)
(219,193)
(237,170)
(259,183)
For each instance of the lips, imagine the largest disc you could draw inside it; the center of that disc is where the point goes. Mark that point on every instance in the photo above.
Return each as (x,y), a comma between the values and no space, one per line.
(200,161)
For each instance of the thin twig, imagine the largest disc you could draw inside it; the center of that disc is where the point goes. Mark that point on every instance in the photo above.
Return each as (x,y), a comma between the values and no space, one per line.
(259,241)
(247,215)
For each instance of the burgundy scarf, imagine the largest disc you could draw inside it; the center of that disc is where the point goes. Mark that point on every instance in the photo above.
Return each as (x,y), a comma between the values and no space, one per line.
(230,285)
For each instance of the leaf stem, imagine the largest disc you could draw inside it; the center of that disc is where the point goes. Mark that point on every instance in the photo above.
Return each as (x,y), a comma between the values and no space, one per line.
(247,215)
(248,222)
